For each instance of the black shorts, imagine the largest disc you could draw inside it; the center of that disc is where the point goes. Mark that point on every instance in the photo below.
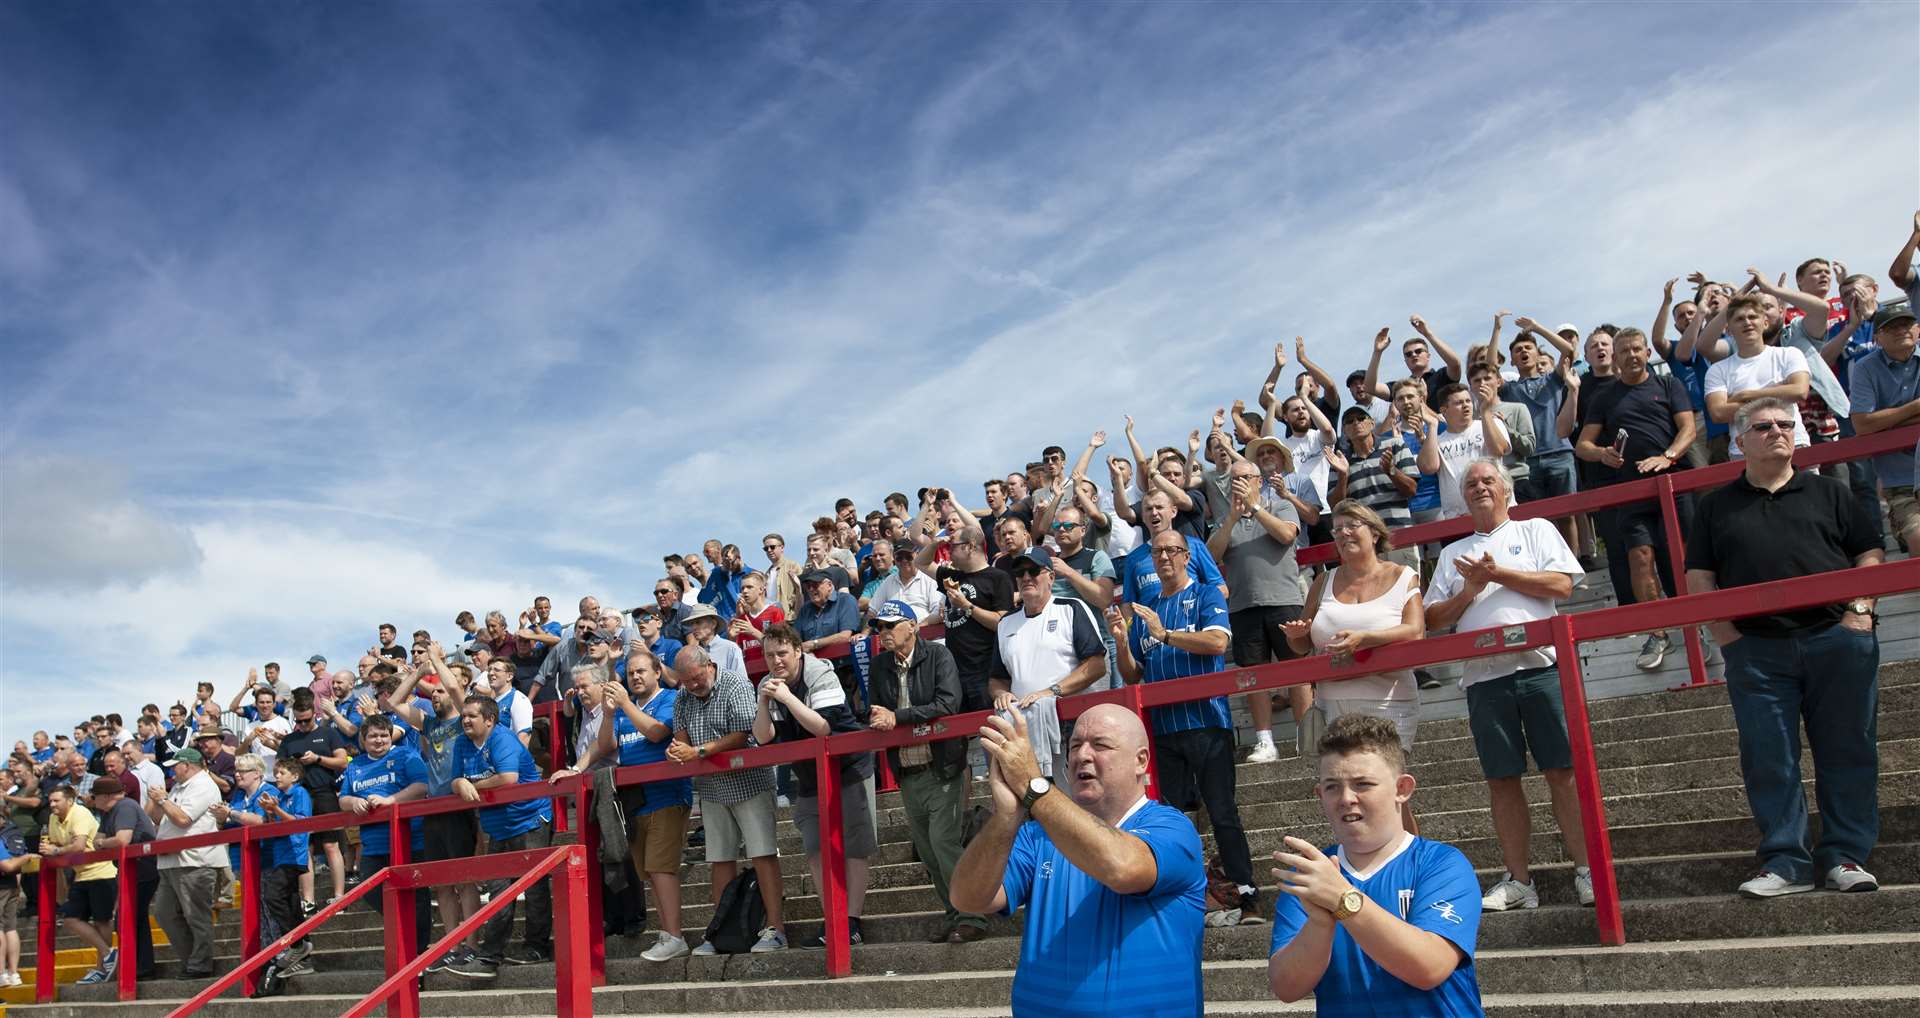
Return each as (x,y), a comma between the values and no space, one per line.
(325,802)
(448,836)
(1257,636)
(91,901)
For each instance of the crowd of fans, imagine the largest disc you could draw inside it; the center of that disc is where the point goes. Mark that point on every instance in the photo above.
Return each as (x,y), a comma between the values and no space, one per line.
(1054,584)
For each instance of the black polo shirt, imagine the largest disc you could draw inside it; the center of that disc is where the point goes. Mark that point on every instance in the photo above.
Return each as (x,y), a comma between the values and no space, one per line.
(322,740)
(1646,410)
(1746,535)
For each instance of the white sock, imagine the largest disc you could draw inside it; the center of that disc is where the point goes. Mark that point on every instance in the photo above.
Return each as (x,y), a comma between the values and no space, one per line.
(1265,737)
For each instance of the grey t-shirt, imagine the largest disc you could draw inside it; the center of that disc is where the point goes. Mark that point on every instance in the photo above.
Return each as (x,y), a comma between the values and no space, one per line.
(1261,572)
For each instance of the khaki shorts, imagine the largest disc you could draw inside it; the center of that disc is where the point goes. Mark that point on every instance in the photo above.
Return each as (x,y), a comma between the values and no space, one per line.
(860,840)
(728,825)
(656,839)
(1903,511)
(10,898)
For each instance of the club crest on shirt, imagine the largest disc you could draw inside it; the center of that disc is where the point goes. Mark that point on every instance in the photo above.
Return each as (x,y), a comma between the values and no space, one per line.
(1046,872)
(1053,625)
(1513,549)
(1447,912)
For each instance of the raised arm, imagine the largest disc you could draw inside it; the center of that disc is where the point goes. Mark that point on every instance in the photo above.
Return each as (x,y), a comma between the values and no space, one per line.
(1447,354)
(1325,380)
(1658,337)
(1815,307)
(1272,383)
(1381,341)
(1319,418)
(1429,458)
(1140,462)
(1499,319)
(1560,344)
(1900,273)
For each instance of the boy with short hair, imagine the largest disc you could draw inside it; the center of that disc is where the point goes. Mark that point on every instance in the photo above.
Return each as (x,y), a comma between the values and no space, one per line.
(1383,922)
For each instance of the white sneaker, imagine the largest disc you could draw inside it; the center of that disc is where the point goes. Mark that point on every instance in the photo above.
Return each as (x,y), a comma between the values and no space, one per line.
(770,940)
(1264,753)
(667,948)
(1509,893)
(1848,877)
(1710,649)
(1583,885)
(1768,884)
(705,950)
(1223,917)
(782,801)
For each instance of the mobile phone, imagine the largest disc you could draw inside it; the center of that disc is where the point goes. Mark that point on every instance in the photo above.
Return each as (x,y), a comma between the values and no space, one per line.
(1620,442)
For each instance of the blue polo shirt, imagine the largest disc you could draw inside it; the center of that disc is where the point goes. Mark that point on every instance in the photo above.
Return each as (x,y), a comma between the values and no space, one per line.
(722,591)
(403,733)
(1195,608)
(1693,377)
(840,615)
(1088,950)
(637,749)
(1542,395)
(1138,581)
(1880,384)
(1430,886)
(390,774)
(438,740)
(46,755)
(501,753)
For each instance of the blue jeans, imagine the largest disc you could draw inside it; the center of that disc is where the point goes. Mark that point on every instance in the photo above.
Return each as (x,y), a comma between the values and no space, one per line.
(1831,680)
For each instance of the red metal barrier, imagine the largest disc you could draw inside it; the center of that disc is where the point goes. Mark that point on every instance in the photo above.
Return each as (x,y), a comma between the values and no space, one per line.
(1563,633)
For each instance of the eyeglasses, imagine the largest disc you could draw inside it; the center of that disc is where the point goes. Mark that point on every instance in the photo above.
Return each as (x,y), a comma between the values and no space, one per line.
(1349,527)
(1066,526)
(1168,552)
(1765,427)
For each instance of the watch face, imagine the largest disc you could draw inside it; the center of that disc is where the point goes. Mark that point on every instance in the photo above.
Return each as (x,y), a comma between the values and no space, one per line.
(1038,786)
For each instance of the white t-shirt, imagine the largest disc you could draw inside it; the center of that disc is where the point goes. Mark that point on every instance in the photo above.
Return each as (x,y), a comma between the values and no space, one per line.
(150,775)
(1770,366)
(922,594)
(1036,651)
(196,797)
(1309,463)
(1457,449)
(1382,612)
(1528,545)
(277,724)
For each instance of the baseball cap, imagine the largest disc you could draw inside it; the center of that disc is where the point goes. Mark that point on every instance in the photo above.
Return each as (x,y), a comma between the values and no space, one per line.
(1566,327)
(188,755)
(1036,555)
(1355,413)
(894,611)
(810,576)
(317,659)
(1890,313)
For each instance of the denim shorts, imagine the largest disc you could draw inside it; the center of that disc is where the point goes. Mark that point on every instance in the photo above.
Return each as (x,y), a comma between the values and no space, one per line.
(1515,715)
(1548,474)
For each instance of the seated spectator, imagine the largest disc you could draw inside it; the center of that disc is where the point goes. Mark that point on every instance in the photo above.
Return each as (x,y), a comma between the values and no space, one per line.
(911,582)
(487,758)
(875,569)
(1403,942)
(189,878)
(1183,632)
(122,823)
(1120,934)
(88,913)
(703,628)
(828,617)
(714,714)
(1820,664)
(1048,648)
(801,698)
(1366,601)
(1458,437)
(1512,571)
(1886,395)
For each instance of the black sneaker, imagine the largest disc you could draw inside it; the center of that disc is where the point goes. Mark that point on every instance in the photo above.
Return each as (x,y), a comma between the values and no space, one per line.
(1426,679)
(528,956)
(853,933)
(307,909)
(474,967)
(444,962)
(697,839)
(295,954)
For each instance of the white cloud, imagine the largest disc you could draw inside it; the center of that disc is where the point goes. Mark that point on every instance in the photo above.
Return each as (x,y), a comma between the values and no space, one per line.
(71,525)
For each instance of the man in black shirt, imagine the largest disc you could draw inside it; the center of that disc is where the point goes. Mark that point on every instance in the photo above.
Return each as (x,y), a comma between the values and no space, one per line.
(977,596)
(1822,663)
(1656,417)
(323,751)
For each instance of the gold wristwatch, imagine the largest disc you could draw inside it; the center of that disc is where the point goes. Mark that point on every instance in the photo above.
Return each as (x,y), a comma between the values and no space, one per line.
(1350,904)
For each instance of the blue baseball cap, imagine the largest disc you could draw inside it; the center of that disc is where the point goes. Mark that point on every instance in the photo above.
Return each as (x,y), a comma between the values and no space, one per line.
(894,611)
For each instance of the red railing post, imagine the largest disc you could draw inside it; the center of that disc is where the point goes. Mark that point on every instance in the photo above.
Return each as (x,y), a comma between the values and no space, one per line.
(1137,704)
(125,929)
(402,932)
(1586,776)
(833,865)
(1677,559)
(45,957)
(556,760)
(573,979)
(249,906)
(596,889)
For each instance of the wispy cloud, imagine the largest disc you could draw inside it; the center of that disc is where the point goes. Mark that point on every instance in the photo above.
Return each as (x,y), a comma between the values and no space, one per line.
(362,313)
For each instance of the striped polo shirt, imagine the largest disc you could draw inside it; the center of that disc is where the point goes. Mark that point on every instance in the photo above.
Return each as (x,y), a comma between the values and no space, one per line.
(1194,608)
(1369,485)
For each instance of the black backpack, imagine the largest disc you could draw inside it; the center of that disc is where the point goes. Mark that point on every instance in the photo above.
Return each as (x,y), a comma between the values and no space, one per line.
(739,915)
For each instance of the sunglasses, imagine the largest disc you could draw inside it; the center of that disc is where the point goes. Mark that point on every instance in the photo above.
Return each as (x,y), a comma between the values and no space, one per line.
(1767,427)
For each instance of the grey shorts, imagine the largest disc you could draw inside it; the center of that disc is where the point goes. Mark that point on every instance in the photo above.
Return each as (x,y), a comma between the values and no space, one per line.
(1516,715)
(732,824)
(856,820)
(10,898)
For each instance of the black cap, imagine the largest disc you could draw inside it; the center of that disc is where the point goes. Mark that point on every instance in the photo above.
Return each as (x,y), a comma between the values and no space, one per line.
(816,576)
(1890,313)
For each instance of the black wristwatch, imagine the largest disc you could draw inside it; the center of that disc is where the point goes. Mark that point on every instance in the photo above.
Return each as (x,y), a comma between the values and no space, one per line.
(1862,606)
(1035,789)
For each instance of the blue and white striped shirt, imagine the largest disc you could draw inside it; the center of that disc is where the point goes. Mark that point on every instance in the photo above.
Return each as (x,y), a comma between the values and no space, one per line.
(1194,608)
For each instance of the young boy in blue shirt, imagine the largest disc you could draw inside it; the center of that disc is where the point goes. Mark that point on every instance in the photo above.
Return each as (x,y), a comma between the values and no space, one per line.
(384,774)
(1383,922)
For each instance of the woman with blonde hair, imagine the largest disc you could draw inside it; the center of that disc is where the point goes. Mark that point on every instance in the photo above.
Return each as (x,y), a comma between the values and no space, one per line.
(1364,602)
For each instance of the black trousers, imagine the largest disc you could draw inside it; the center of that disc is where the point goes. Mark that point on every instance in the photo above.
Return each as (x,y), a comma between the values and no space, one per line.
(1195,768)
(148,881)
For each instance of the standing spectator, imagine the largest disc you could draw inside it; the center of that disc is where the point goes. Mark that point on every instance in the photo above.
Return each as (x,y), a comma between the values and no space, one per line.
(117,770)
(829,616)
(783,575)
(1383,477)
(673,611)
(641,729)
(88,913)
(385,774)
(1081,571)
(1138,581)
(388,648)
(912,583)
(1048,649)
(42,748)
(322,754)
(1756,370)
(1180,633)
(977,596)
(1641,426)
(1902,272)
(753,614)
(1120,934)
(279,892)
(1458,437)
(801,698)
(820,559)
(537,634)
(188,879)
(1418,355)
(1709,436)
(1511,571)
(446,835)
(210,740)
(874,570)
(1256,542)
(703,628)
(1886,395)
(1166,474)
(998,510)
(1483,378)
(11,866)
(646,622)
(714,714)
(1345,945)
(267,723)
(121,824)
(489,757)
(1366,601)
(1545,387)
(1820,664)
(140,764)
(915,683)
(721,588)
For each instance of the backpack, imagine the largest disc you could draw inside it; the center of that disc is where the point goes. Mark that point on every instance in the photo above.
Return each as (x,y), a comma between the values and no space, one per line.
(738,916)
(14,838)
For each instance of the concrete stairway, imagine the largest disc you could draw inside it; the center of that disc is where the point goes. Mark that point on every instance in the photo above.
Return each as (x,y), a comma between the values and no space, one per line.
(1681,835)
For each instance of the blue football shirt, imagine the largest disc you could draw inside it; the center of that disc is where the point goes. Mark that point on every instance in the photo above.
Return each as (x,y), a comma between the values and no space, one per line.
(637,749)
(387,775)
(1195,608)
(1427,884)
(1138,581)
(1089,951)
(500,754)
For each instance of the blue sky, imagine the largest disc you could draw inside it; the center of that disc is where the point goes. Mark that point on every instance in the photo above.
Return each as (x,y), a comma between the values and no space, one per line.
(321,315)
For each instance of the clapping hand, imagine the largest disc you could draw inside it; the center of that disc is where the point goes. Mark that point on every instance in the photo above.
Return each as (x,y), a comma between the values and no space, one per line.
(1116,618)
(1005,742)
(1298,629)
(1099,439)
(1310,876)
(1476,572)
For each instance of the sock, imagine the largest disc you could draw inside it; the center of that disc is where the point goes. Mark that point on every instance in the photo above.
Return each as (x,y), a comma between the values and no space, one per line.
(1246,890)
(1265,737)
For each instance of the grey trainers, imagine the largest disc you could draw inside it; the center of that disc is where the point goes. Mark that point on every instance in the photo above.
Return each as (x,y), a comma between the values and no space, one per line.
(667,948)
(1652,653)
(770,940)
(1509,893)
(705,950)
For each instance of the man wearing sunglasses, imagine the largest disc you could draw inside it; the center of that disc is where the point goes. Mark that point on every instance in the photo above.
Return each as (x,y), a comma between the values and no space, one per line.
(1821,663)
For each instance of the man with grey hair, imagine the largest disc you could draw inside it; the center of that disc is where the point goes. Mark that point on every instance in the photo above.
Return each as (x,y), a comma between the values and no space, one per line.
(184,903)
(1506,572)
(1820,664)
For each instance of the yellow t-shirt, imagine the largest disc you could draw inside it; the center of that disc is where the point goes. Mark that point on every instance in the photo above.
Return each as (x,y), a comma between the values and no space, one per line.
(80,828)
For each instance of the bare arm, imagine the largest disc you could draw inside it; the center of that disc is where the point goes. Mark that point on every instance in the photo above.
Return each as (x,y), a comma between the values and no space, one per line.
(1429,458)
(1568,416)
(1658,337)
(1325,380)
(1381,341)
(1900,273)
(1440,347)
(1816,308)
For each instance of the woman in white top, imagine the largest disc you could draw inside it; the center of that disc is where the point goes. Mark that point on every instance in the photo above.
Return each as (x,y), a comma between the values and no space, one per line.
(1366,601)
